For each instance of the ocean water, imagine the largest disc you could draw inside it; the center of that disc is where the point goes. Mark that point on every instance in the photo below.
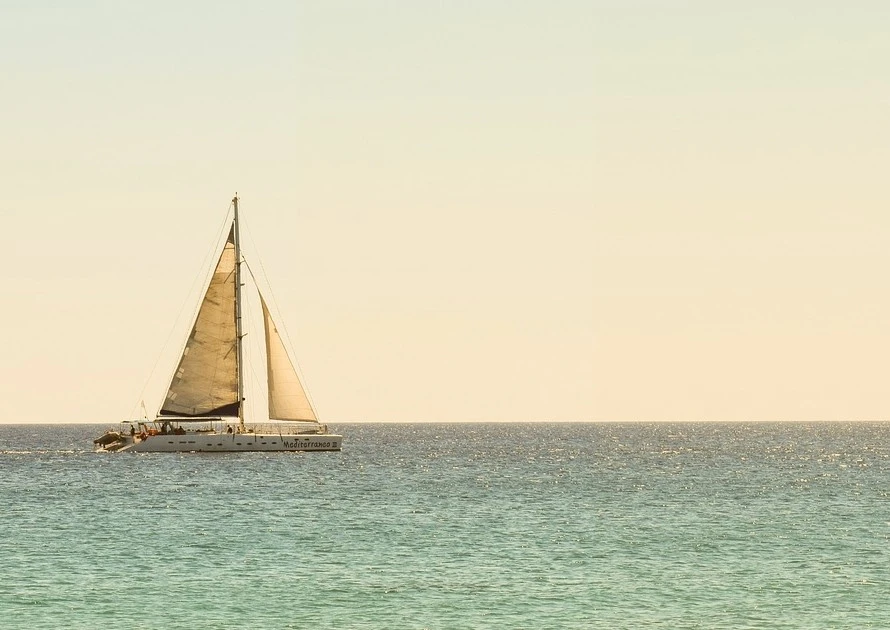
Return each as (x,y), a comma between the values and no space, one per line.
(455,526)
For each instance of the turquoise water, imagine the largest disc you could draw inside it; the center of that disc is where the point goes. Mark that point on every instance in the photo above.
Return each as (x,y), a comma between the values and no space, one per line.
(455,526)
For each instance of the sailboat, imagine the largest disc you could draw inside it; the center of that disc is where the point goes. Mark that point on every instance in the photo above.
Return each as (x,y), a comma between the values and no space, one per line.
(204,408)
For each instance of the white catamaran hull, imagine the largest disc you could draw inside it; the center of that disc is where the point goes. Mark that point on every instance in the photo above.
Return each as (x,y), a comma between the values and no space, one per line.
(225,443)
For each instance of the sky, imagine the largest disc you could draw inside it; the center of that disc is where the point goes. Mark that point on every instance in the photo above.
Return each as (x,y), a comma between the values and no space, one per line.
(572,210)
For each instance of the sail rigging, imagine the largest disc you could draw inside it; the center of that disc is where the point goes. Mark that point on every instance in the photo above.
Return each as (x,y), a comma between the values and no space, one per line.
(205,382)
(287,398)
(209,380)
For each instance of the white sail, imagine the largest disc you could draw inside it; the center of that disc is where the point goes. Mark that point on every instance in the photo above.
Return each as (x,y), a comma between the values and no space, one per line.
(206,381)
(287,398)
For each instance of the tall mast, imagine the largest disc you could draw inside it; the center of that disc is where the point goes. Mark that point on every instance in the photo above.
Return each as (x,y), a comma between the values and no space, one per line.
(238,334)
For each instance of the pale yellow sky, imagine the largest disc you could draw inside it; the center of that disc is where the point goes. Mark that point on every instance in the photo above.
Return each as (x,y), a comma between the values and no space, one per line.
(567,210)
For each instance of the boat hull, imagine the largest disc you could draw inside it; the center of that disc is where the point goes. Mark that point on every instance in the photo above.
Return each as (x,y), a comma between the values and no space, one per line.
(207,442)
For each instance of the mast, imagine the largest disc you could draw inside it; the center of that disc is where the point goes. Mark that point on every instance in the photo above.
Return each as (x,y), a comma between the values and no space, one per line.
(238,334)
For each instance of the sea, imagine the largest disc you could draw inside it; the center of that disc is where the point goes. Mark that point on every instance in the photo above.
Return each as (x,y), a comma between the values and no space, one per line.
(441,526)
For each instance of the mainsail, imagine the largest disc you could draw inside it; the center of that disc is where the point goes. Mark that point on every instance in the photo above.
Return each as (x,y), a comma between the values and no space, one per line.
(287,398)
(206,381)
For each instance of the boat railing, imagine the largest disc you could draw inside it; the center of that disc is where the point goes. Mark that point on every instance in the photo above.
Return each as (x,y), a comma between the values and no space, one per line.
(165,426)
(286,429)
